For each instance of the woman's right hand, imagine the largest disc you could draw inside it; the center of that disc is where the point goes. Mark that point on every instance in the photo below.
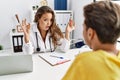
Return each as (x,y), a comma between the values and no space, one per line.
(26,30)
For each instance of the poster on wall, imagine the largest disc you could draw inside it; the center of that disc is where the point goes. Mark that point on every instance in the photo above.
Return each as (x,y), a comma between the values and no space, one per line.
(115,1)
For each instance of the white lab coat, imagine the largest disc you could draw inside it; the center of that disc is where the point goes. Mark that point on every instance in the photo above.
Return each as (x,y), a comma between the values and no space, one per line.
(30,47)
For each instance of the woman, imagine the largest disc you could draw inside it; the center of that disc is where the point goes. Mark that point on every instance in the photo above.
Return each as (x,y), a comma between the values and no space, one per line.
(45,35)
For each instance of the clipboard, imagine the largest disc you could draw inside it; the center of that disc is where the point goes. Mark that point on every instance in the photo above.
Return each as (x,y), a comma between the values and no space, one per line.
(54,59)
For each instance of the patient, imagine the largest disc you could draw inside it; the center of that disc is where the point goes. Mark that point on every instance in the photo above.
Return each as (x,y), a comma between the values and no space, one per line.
(101,29)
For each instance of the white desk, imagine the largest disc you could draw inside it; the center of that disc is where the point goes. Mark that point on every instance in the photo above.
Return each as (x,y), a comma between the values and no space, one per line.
(42,70)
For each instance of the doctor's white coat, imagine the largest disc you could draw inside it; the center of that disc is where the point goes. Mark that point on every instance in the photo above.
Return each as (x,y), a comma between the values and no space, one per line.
(30,47)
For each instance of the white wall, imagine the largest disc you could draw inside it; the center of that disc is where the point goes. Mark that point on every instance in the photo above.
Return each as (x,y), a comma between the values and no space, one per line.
(77,7)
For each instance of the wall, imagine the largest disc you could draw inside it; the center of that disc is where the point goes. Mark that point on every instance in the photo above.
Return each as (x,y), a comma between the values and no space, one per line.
(77,7)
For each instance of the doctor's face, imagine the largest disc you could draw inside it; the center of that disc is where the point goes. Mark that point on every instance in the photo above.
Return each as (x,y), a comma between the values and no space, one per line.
(45,21)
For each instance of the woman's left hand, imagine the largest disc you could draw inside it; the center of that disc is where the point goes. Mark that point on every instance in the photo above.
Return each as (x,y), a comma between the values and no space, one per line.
(70,26)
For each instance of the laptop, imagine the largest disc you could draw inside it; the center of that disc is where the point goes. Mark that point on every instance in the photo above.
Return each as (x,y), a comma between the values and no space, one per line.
(15,63)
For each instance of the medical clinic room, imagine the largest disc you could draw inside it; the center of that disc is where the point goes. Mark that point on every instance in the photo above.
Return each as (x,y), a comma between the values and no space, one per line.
(60,40)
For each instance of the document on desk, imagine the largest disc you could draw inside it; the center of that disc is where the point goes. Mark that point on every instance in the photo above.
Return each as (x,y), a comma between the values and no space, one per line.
(54,59)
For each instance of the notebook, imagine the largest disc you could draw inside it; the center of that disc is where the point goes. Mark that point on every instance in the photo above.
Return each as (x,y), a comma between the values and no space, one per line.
(18,63)
(54,59)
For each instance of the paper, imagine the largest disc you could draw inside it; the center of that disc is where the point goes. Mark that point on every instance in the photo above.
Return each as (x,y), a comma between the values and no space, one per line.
(54,59)
(15,42)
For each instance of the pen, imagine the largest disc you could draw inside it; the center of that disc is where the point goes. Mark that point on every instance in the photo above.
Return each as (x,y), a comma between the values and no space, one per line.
(56,56)
(62,62)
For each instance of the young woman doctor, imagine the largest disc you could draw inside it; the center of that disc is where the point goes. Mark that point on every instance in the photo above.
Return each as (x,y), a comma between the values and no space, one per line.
(45,35)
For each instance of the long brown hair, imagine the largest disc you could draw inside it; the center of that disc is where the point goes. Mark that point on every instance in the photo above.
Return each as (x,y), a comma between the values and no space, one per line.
(55,31)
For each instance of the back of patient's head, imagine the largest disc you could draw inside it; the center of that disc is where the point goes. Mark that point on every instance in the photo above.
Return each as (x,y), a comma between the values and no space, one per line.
(104,18)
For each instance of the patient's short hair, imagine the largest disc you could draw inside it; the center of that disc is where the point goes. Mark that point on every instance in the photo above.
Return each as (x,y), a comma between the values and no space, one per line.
(104,18)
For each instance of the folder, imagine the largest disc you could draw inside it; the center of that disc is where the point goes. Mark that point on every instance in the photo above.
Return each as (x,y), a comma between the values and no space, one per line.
(17,43)
(54,59)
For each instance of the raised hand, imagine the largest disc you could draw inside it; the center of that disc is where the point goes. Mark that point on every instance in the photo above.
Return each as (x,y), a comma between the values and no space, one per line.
(70,27)
(26,29)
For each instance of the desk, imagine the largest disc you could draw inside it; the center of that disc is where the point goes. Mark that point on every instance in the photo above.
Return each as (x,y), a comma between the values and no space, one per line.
(42,70)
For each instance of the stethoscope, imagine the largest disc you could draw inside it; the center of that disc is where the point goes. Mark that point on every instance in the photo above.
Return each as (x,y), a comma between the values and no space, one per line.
(38,48)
